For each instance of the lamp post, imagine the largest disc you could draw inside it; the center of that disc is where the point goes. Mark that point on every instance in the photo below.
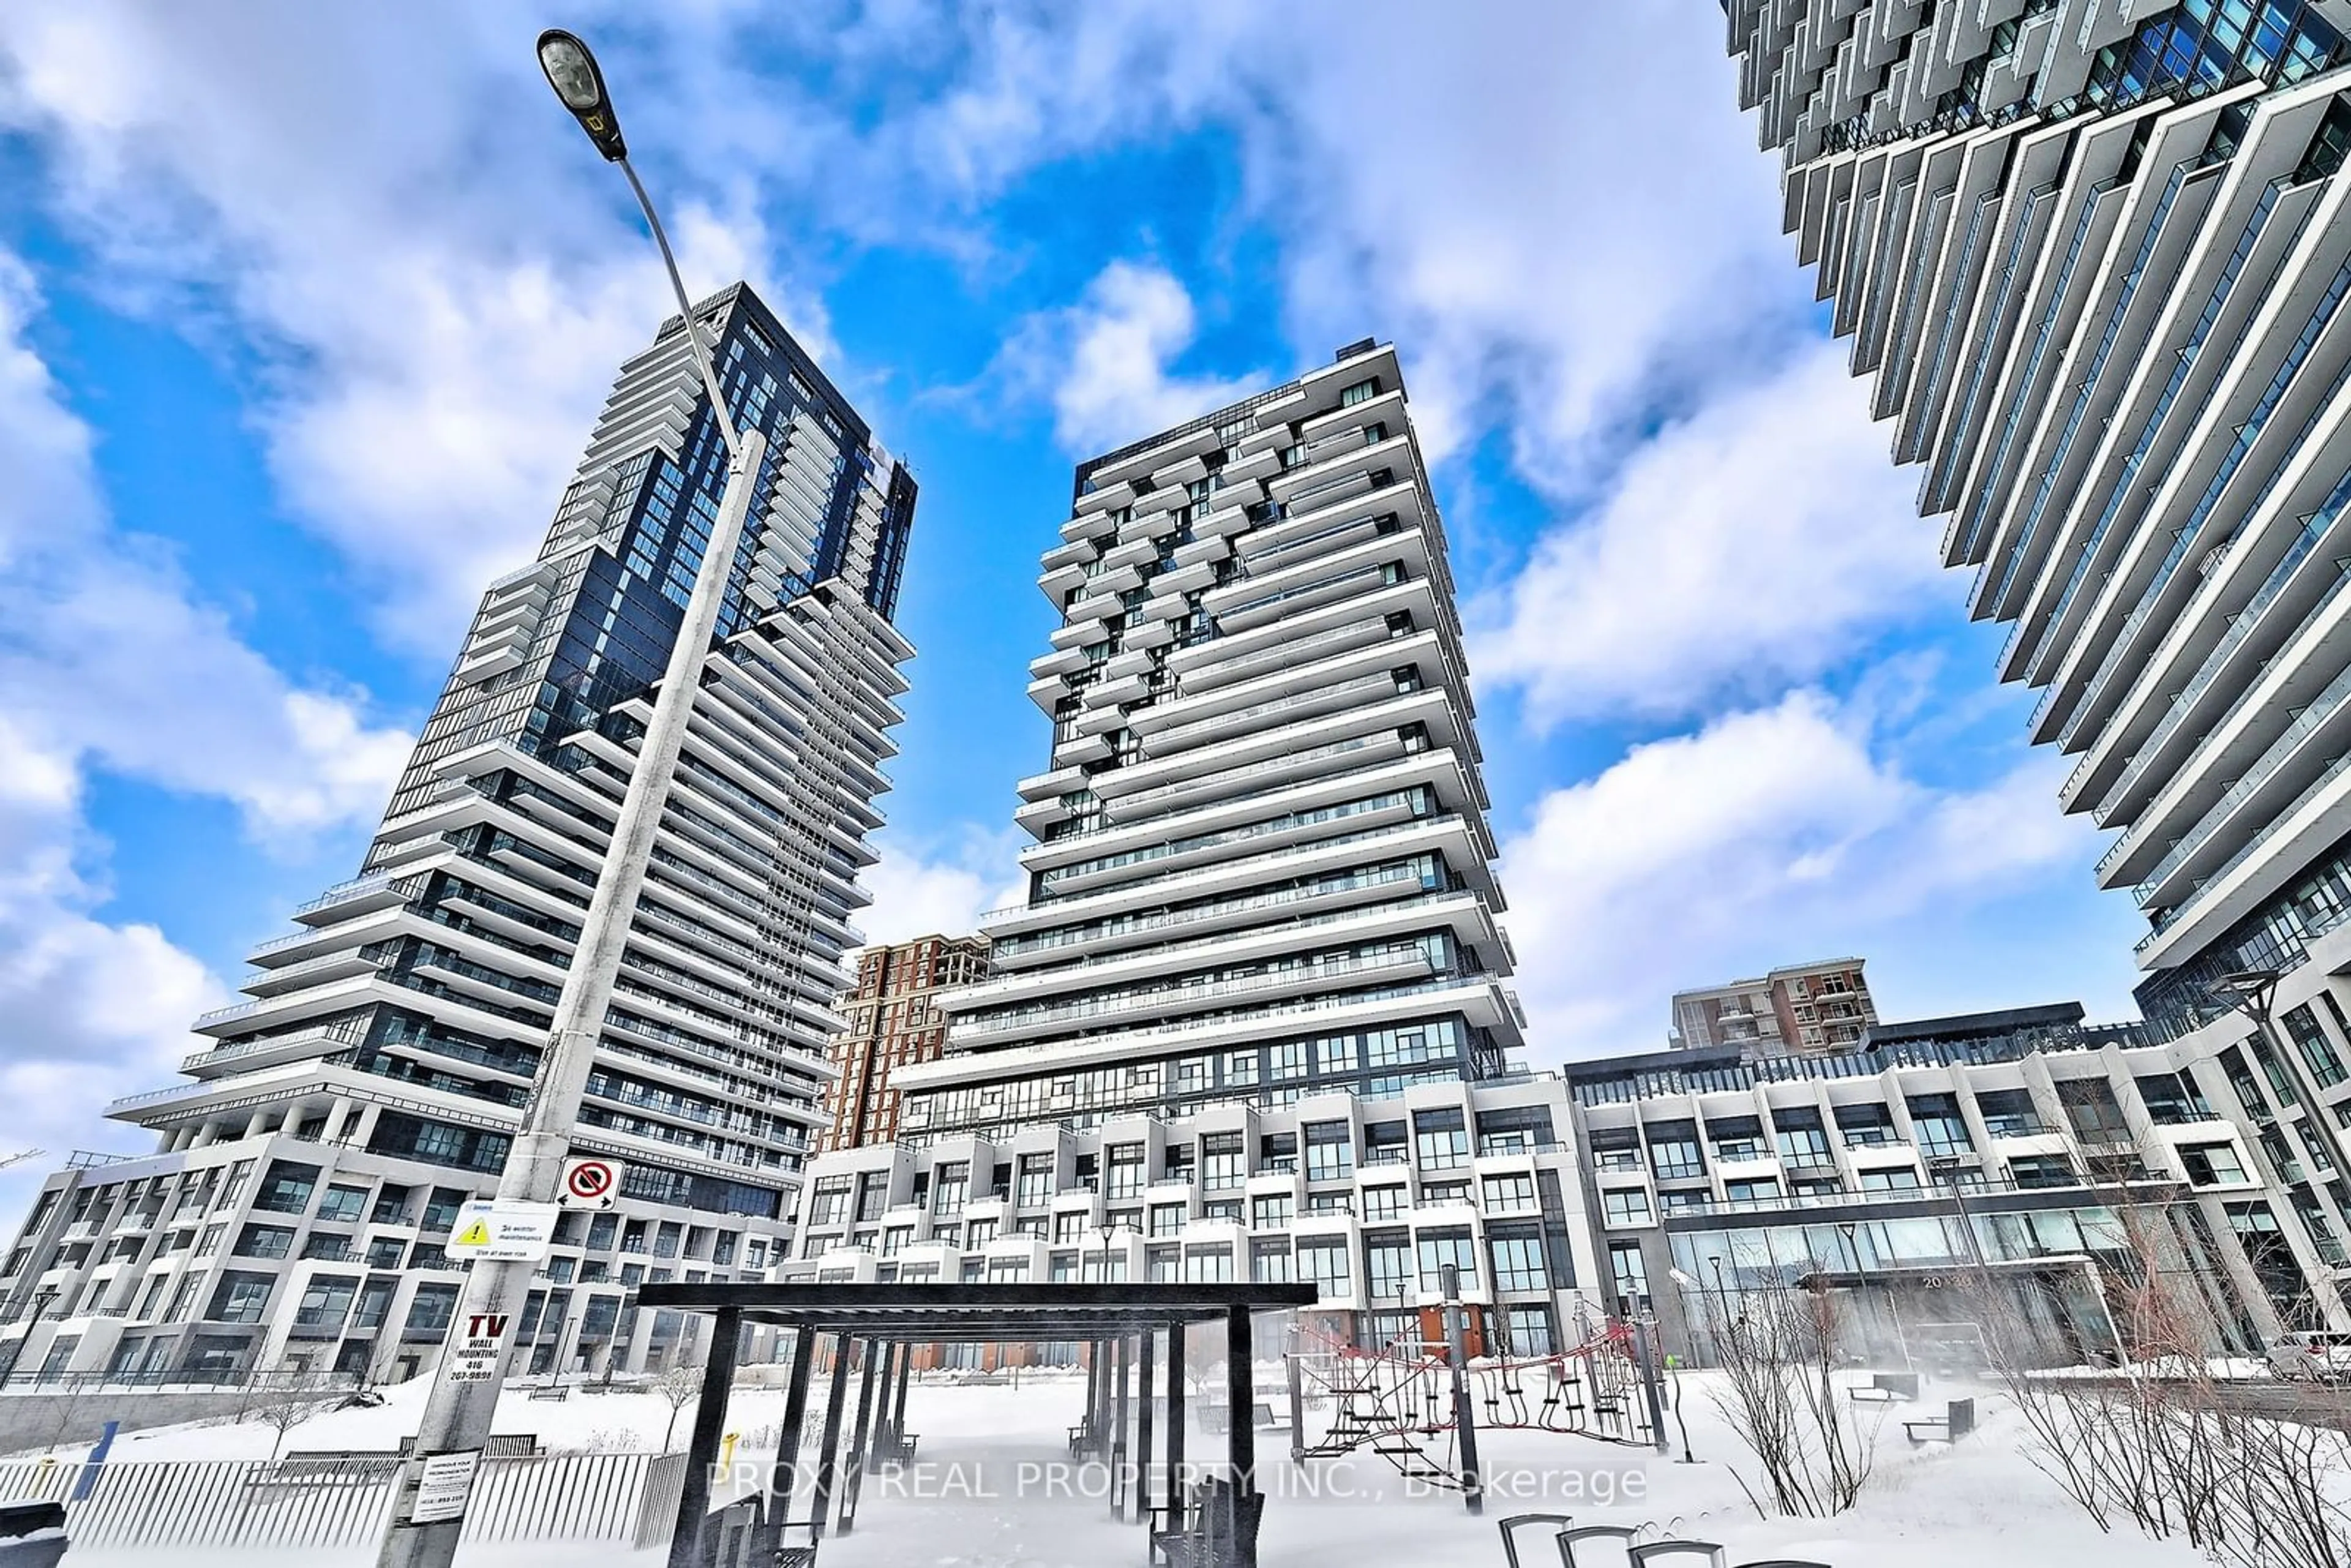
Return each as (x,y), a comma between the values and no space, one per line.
(1682,1282)
(1850,1230)
(463,1401)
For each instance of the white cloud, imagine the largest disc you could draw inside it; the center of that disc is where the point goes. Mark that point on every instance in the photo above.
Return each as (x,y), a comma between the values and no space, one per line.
(1755,543)
(430,272)
(1101,363)
(942,886)
(109,664)
(1771,836)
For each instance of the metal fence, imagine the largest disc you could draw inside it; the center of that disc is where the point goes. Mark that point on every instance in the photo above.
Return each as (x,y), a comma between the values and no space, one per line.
(309,1502)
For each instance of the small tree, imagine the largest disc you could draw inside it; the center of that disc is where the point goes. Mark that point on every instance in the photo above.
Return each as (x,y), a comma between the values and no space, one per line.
(1815,1449)
(294,1398)
(681,1386)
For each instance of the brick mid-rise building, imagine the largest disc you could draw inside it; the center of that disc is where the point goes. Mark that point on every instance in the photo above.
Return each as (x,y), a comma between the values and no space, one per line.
(891,1022)
(1803,1009)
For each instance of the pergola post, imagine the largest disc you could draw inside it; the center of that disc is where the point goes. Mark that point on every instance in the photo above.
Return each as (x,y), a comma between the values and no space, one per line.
(1175,1424)
(783,1479)
(1118,1437)
(898,1406)
(1142,1426)
(685,1537)
(875,1352)
(892,1353)
(1240,1431)
(836,1399)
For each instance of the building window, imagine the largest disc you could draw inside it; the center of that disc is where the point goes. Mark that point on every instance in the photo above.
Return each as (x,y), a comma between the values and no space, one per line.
(829,1201)
(1529,1330)
(1440,1140)
(1903,1179)
(2095,1114)
(2041,1170)
(1387,1264)
(1384,1202)
(1071,1226)
(287,1189)
(1625,1206)
(1674,1152)
(2318,1052)
(264,1241)
(1224,1161)
(1509,1194)
(1519,1263)
(1207,1265)
(1322,1263)
(1803,1143)
(2173,1099)
(343,1205)
(1270,1211)
(2009,1112)
(1269,1261)
(1939,1128)
(1330,1151)
(1360,392)
(950,1189)
(240,1298)
(1865,1126)
(1632,1275)
(1036,1181)
(1127,1168)
(325,1302)
(1440,1248)
(1166,1218)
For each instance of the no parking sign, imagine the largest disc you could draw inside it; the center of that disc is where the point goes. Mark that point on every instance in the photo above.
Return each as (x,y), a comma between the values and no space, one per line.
(590,1183)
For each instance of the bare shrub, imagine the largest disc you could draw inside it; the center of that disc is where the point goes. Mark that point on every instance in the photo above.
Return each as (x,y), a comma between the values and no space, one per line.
(2160,1443)
(1814,1450)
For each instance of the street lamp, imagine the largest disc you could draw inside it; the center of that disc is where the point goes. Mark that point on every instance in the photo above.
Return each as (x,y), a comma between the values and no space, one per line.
(1683,1283)
(1850,1230)
(458,1411)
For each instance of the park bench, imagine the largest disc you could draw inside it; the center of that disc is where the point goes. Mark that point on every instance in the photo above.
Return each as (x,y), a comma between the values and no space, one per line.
(1706,1551)
(1886,1388)
(1223,1529)
(1512,1526)
(556,1391)
(895,1447)
(1087,1443)
(1215,1418)
(497,1446)
(1958,1420)
(328,1466)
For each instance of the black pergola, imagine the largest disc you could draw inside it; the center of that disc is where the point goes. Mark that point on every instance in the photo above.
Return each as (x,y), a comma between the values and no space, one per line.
(890,1318)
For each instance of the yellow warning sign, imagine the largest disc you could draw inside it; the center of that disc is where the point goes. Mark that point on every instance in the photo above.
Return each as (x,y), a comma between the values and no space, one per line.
(502,1231)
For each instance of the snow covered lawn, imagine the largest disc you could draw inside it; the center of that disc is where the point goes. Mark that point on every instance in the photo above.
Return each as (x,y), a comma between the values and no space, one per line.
(992,1492)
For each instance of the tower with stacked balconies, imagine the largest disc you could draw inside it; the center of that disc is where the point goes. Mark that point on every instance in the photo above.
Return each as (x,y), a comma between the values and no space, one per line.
(309,1165)
(1252,1017)
(2096,259)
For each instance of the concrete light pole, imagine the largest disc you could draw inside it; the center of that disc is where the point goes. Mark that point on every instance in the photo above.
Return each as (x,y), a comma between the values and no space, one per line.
(459,1412)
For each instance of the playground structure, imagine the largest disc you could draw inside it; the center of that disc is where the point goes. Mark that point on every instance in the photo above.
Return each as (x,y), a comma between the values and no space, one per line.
(1399,1400)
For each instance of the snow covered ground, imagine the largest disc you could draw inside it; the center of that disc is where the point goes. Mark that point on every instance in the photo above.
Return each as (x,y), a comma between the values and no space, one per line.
(991,1492)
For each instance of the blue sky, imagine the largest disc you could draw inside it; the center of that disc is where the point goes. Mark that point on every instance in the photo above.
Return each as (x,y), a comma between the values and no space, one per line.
(305,313)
